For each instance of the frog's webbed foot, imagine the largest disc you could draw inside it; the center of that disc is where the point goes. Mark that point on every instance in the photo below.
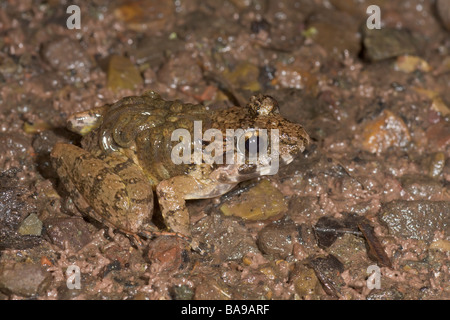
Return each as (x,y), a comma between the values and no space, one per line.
(201,248)
(197,246)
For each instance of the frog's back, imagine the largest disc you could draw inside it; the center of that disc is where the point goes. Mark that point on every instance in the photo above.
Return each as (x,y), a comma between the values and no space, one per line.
(142,127)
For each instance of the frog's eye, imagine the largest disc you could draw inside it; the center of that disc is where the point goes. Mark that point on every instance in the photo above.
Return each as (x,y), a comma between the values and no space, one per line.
(253,143)
(263,105)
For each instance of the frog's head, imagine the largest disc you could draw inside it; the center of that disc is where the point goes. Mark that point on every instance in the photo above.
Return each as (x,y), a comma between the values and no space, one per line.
(266,140)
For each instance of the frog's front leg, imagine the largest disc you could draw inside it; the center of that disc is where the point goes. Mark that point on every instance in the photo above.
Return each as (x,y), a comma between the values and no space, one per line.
(113,186)
(173,193)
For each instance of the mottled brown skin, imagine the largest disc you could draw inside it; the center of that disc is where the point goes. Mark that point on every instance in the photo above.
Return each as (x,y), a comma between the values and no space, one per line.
(126,155)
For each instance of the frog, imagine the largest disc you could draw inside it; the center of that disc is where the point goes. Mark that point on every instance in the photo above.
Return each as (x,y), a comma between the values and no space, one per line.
(126,157)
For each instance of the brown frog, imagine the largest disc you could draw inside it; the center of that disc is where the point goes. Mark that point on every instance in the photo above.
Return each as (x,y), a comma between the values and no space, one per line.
(126,155)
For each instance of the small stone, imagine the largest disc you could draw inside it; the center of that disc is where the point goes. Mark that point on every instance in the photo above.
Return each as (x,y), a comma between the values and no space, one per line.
(212,289)
(437,103)
(71,231)
(441,245)
(146,15)
(31,226)
(409,64)
(349,249)
(277,239)
(244,76)
(388,130)
(295,77)
(259,203)
(154,50)
(387,43)
(169,253)
(416,219)
(117,253)
(16,203)
(182,292)
(439,135)
(328,270)
(421,187)
(306,284)
(24,279)
(14,206)
(227,233)
(327,231)
(437,164)
(122,74)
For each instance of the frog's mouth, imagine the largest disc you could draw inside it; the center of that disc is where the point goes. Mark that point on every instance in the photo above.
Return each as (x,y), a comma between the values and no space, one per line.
(272,167)
(234,173)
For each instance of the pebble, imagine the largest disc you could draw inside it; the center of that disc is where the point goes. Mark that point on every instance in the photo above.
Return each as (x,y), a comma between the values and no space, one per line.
(328,270)
(258,203)
(277,239)
(16,203)
(212,289)
(439,135)
(244,76)
(421,187)
(31,226)
(441,245)
(13,207)
(387,43)
(170,253)
(437,164)
(386,131)
(306,284)
(123,74)
(227,235)
(24,279)
(416,219)
(71,231)
(409,64)
(182,292)
(146,15)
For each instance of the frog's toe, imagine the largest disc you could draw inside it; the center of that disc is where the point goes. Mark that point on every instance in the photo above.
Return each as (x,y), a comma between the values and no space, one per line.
(137,241)
(202,248)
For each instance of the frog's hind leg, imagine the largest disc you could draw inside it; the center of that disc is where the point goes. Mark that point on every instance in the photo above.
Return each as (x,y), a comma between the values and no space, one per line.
(76,197)
(114,187)
(172,194)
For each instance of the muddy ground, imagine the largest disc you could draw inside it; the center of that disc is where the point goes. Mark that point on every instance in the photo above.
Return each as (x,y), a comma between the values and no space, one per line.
(372,189)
